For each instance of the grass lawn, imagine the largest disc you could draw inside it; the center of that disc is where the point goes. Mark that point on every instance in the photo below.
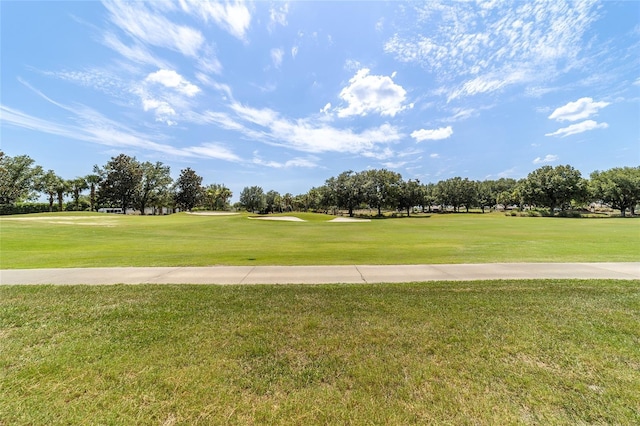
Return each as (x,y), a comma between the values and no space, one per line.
(98,240)
(501,352)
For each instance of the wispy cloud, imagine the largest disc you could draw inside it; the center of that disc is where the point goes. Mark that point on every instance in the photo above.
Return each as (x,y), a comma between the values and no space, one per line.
(432,134)
(492,45)
(136,52)
(578,110)
(310,134)
(142,24)
(278,15)
(310,162)
(89,125)
(549,158)
(171,79)
(232,16)
(581,127)
(372,94)
(276,57)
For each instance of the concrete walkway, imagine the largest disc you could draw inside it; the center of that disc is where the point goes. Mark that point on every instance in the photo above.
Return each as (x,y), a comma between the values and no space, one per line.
(319,274)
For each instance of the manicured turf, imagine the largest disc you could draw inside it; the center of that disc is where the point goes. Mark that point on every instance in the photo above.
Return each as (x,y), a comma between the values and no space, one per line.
(83,240)
(511,352)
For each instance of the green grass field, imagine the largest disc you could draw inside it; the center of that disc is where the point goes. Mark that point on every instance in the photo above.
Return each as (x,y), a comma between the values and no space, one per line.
(98,240)
(492,352)
(501,352)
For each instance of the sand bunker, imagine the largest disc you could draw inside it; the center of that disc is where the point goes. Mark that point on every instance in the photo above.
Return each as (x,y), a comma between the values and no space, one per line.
(348,219)
(213,213)
(281,218)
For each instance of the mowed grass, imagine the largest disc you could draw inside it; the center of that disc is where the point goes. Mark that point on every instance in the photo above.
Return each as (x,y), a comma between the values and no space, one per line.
(501,352)
(97,240)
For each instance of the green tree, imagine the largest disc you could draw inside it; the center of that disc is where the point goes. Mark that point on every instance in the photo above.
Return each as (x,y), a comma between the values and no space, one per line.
(188,189)
(287,202)
(456,192)
(93,180)
(120,180)
(18,178)
(381,188)
(63,188)
(252,198)
(553,187)
(347,190)
(49,184)
(618,187)
(216,196)
(428,192)
(273,201)
(76,186)
(410,195)
(155,182)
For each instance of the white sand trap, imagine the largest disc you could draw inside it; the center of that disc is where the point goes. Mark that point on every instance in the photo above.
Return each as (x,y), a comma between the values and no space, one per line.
(213,213)
(281,218)
(348,219)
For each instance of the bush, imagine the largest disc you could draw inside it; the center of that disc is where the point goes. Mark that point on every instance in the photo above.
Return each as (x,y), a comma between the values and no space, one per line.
(25,208)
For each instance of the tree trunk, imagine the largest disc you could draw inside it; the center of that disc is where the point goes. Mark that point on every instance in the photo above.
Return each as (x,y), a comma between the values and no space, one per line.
(92,197)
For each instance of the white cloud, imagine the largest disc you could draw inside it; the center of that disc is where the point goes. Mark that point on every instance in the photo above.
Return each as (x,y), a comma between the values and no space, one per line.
(578,110)
(294,51)
(326,108)
(434,155)
(276,57)
(372,94)
(278,15)
(578,128)
(211,150)
(135,53)
(162,110)
(311,135)
(394,164)
(142,24)
(91,126)
(352,65)
(232,16)
(549,158)
(435,134)
(172,79)
(492,45)
(307,163)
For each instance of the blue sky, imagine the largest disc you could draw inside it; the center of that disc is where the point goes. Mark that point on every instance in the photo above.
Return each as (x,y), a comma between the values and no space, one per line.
(287,94)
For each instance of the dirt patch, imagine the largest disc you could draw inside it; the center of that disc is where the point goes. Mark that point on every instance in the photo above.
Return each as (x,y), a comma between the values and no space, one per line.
(280,218)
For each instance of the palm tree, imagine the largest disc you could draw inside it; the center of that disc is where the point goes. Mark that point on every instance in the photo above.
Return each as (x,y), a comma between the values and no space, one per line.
(92,180)
(77,186)
(49,185)
(62,188)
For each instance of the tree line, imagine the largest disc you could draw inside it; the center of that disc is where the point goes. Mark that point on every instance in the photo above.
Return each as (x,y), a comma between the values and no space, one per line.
(555,188)
(125,183)
(122,183)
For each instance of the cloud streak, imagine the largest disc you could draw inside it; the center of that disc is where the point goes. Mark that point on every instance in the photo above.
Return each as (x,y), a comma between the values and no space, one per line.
(433,134)
(578,110)
(581,127)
